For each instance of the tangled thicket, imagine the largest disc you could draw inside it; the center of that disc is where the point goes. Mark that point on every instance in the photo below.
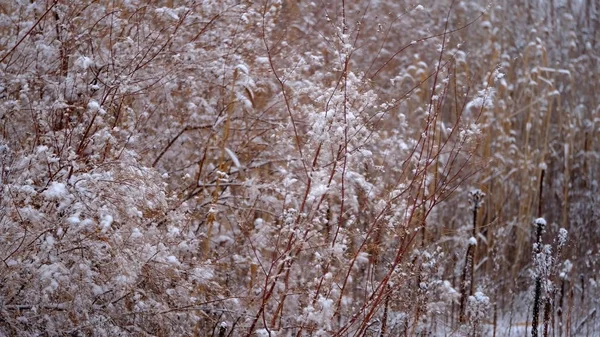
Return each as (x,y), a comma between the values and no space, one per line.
(291,168)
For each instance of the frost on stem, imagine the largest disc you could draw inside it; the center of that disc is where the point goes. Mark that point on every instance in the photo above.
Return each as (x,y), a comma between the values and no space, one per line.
(476,198)
(483,100)
(478,308)
(562,237)
(545,264)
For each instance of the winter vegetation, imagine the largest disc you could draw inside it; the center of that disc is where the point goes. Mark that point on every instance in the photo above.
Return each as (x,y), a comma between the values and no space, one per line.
(296,168)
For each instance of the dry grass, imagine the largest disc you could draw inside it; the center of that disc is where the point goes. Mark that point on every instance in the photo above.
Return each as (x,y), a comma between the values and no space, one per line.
(313,162)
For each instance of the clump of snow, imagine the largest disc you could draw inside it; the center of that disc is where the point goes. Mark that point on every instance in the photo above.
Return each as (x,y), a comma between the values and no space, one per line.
(168,12)
(172,259)
(483,100)
(48,243)
(566,269)
(243,68)
(262,60)
(540,222)
(322,314)
(84,62)
(50,273)
(202,274)
(223,240)
(135,233)
(93,106)
(74,219)
(174,231)
(263,333)
(362,258)
(27,190)
(41,148)
(55,191)
(97,290)
(481,298)
(479,304)
(448,290)
(469,133)
(105,222)
(472,241)
(562,236)
(121,279)
(318,191)
(498,75)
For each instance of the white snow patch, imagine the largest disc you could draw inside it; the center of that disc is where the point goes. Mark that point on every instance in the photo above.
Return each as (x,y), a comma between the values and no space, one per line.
(174,231)
(263,333)
(172,259)
(55,191)
(562,236)
(480,297)
(263,60)
(74,219)
(84,62)
(93,106)
(202,274)
(41,148)
(223,239)
(135,233)
(169,12)
(243,68)
(97,290)
(105,222)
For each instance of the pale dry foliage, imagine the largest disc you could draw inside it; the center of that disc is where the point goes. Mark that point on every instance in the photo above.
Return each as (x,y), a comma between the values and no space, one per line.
(239,168)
